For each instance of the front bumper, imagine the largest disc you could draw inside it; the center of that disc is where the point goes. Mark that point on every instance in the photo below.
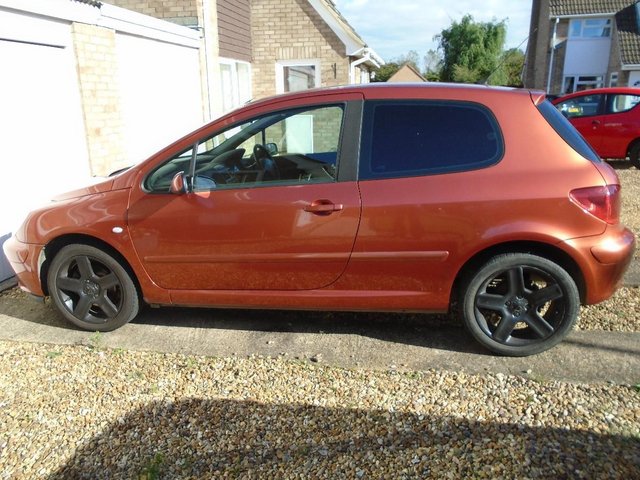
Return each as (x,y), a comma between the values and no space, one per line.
(603,260)
(24,259)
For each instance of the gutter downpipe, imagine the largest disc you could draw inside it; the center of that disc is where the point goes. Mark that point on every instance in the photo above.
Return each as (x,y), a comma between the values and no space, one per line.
(206,13)
(354,64)
(553,50)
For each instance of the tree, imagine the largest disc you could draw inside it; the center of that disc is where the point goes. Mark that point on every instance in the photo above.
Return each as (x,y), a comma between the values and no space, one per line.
(513,63)
(472,51)
(433,66)
(385,72)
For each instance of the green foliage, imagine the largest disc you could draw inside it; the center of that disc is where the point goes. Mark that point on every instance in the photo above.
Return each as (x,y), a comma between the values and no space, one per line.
(385,72)
(513,63)
(473,52)
(433,65)
(152,470)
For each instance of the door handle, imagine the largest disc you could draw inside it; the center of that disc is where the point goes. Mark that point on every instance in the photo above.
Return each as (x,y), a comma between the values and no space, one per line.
(595,123)
(323,207)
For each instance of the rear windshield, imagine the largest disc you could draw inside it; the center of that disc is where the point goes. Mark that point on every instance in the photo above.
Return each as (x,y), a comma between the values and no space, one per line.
(568,133)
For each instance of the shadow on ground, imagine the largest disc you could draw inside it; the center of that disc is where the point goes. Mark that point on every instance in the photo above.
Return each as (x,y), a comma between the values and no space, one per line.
(432,331)
(244,439)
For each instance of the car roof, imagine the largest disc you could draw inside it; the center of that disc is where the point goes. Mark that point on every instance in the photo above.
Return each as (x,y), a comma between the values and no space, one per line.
(389,88)
(596,91)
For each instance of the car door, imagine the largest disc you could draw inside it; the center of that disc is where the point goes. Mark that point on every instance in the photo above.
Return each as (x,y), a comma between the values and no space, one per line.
(586,114)
(415,154)
(266,211)
(620,124)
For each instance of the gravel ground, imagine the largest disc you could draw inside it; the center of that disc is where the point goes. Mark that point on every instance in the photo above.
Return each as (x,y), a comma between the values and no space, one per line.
(630,181)
(79,412)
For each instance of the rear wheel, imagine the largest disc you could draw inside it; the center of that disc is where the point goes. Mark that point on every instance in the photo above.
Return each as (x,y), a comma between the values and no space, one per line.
(520,304)
(92,289)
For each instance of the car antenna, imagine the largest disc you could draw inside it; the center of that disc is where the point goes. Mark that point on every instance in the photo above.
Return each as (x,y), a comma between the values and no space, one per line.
(486,80)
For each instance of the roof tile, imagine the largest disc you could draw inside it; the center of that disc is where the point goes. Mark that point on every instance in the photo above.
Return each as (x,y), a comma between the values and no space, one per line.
(587,7)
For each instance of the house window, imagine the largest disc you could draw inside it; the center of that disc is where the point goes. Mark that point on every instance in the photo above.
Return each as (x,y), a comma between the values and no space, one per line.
(590,28)
(235,78)
(575,83)
(296,75)
(613,79)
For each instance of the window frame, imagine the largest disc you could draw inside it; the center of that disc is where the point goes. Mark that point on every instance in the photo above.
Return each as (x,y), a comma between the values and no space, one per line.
(350,114)
(236,100)
(577,82)
(607,25)
(601,104)
(366,145)
(610,99)
(281,64)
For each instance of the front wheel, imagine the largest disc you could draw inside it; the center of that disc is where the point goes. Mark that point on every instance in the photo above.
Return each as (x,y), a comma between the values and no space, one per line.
(92,289)
(519,304)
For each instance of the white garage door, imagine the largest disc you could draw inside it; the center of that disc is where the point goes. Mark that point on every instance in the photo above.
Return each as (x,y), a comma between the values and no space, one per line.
(41,131)
(161,93)
(41,126)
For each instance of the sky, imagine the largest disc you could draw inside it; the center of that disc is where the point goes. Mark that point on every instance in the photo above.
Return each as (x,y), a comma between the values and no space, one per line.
(393,27)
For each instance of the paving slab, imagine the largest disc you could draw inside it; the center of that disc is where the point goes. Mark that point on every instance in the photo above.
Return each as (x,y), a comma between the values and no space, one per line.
(371,341)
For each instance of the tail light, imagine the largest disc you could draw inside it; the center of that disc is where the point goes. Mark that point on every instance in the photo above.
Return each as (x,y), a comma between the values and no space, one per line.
(601,202)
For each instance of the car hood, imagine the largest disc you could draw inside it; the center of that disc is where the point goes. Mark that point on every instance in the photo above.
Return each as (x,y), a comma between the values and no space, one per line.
(100,185)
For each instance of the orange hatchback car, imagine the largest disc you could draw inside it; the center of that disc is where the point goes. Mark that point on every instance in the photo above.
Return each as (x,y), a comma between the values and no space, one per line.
(428,198)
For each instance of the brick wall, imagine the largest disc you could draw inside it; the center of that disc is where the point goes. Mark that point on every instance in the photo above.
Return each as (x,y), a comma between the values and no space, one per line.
(98,79)
(183,12)
(293,30)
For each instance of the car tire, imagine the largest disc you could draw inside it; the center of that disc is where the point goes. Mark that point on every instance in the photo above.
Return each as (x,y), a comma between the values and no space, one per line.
(519,304)
(92,289)
(634,155)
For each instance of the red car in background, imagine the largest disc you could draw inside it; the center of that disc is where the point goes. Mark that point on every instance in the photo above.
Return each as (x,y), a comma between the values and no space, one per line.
(608,118)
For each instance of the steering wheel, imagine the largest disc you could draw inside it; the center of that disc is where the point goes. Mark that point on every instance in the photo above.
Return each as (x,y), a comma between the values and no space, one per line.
(266,162)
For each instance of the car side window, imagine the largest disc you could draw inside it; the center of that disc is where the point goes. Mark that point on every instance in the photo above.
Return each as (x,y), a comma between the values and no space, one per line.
(583,106)
(404,139)
(619,103)
(284,148)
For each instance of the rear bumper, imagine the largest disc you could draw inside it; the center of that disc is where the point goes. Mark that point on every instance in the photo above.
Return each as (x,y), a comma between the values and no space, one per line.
(603,260)
(24,260)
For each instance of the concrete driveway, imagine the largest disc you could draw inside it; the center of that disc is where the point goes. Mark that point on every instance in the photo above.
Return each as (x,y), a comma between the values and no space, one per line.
(372,341)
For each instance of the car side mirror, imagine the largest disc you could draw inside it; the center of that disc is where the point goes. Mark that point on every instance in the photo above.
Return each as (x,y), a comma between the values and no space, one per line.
(272,148)
(178,184)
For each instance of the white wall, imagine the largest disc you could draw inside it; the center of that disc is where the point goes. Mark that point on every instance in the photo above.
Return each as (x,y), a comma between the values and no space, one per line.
(587,56)
(41,125)
(42,130)
(160,91)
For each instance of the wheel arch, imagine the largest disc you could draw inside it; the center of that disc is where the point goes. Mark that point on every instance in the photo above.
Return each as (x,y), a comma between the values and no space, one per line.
(544,250)
(632,144)
(55,245)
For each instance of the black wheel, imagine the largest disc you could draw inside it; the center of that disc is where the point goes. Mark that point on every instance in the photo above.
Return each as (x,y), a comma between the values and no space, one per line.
(91,289)
(634,155)
(520,304)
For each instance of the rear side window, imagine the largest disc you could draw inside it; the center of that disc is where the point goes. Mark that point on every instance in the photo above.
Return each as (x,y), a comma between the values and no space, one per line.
(404,139)
(568,133)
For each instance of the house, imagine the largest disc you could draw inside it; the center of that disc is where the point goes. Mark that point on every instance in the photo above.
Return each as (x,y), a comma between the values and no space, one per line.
(300,44)
(82,95)
(258,48)
(580,44)
(407,73)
